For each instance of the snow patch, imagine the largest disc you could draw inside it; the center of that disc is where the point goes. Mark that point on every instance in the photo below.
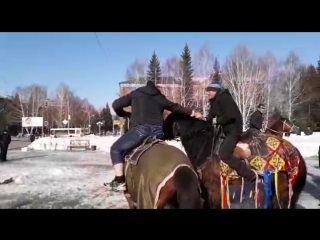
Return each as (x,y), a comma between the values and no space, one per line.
(307,145)
(48,143)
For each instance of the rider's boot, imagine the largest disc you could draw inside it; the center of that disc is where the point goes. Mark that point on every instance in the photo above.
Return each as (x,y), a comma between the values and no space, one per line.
(117,184)
(242,169)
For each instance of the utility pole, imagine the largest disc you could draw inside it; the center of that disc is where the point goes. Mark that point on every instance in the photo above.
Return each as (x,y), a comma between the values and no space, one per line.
(99,125)
(46,105)
(90,116)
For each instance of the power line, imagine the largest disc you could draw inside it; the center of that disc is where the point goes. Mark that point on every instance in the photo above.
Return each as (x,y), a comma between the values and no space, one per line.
(103,49)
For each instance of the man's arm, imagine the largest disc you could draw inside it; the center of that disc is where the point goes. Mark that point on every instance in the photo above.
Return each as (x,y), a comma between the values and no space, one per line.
(175,107)
(256,120)
(229,108)
(121,103)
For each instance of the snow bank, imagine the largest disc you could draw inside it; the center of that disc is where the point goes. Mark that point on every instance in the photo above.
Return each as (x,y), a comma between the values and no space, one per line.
(308,145)
(47,143)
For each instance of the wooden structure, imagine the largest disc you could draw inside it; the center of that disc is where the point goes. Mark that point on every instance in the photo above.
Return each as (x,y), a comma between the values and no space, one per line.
(79,144)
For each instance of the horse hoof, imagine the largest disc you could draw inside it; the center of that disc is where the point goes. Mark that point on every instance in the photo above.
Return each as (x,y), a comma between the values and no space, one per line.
(169,206)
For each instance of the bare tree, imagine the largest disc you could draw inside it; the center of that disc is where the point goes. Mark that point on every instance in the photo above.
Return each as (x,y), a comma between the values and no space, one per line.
(63,98)
(88,110)
(243,77)
(137,71)
(290,84)
(13,109)
(20,102)
(203,63)
(29,102)
(38,97)
(171,75)
(271,70)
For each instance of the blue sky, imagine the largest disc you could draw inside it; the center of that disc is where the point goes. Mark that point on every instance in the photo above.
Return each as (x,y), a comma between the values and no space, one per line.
(78,60)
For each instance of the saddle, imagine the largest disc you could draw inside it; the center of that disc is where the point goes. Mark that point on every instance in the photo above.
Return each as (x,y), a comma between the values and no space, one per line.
(134,155)
(257,149)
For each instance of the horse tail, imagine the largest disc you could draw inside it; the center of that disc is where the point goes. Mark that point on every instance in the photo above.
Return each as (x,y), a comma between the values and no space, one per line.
(300,181)
(187,186)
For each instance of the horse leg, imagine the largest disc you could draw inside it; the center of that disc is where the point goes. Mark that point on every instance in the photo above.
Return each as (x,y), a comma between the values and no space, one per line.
(181,191)
(130,201)
(299,183)
(186,183)
(212,183)
(166,195)
(281,198)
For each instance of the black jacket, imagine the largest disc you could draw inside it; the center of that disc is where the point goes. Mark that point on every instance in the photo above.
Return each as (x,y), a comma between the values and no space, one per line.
(5,138)
(228,115)
(256,120)
(147,104)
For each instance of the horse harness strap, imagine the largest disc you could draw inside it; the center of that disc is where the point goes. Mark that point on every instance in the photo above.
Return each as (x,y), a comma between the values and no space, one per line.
(134,156)
(284,123)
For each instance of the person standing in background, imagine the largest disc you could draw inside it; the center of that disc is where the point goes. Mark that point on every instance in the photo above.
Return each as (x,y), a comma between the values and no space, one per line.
(5,140)
(256,119)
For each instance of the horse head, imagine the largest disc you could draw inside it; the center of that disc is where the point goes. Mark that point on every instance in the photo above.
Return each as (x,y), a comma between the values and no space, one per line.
(196,135)
(282,125)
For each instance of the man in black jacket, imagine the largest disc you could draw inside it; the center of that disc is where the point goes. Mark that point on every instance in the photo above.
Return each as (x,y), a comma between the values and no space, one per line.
(5,140)
(146,120)
(225,112)
(256,119)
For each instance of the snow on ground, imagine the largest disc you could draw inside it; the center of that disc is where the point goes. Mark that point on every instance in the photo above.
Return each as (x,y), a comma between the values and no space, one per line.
(57,179)
(62,179)
(307,145)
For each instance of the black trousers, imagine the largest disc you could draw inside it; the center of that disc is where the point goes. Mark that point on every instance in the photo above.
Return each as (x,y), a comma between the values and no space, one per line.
(4,150)
(226,154)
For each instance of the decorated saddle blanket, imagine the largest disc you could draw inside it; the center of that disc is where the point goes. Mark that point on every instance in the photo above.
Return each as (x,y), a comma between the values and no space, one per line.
(268,152)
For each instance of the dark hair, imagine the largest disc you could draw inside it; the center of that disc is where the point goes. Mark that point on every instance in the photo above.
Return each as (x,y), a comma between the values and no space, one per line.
(151,83)
(261,105)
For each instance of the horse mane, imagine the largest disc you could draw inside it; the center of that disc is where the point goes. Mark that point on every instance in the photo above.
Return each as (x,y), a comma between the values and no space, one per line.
(196,136)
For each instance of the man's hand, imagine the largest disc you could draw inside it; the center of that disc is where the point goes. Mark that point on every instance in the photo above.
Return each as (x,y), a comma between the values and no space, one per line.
(198,115)
(214,121)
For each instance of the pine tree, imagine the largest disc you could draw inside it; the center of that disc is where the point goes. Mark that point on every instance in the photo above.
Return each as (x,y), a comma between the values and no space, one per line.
(318,68)
(216,65)
(108,121)
(107,118)
(154,72)
(187,70)
(216,71)
(311,71)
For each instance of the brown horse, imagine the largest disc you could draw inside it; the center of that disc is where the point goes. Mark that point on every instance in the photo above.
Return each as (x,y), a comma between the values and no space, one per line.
(281,126)
(279,161)
(159,175)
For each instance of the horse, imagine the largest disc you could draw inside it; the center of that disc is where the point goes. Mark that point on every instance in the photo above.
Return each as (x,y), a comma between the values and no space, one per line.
(284,169)
(160,176)
(280,126)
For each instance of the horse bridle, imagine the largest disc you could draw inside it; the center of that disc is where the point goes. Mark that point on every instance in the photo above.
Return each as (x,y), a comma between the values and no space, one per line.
(284,123)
